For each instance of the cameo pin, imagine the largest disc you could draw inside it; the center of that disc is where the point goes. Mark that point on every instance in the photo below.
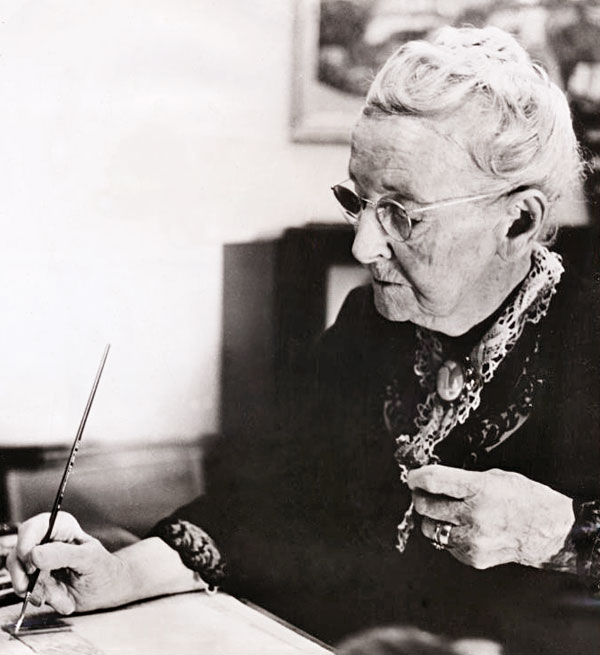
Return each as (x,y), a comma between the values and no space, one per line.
(453,377)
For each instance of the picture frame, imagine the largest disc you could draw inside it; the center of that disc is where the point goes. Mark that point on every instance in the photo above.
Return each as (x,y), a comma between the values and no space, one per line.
(339,45)
(319,115)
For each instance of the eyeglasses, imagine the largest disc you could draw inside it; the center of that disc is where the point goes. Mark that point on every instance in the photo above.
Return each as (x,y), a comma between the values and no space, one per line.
(393,217)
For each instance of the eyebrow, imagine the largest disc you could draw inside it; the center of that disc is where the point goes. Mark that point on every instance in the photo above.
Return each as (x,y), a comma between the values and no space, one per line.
(392,189)
(405,193)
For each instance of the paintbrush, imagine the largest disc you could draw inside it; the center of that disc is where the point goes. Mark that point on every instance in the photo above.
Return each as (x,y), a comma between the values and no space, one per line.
(61,489)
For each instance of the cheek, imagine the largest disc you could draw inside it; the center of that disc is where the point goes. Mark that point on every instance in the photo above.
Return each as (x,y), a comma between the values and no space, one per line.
(447,259)
(427,260)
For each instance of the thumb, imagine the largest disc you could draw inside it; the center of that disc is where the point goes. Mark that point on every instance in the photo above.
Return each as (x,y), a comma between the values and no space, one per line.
(67,528)
(58,555)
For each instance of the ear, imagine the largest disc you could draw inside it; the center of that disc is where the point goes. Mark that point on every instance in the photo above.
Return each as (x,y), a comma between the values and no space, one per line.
(526,213)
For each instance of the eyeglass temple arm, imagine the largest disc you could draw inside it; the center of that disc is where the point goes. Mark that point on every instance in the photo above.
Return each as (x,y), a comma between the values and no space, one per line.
(435,205)
(449,203)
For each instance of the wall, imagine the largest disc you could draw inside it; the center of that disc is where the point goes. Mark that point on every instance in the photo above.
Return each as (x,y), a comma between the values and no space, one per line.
(137,138)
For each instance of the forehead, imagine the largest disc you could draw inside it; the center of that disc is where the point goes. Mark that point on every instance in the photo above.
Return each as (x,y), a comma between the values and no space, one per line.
(413,155)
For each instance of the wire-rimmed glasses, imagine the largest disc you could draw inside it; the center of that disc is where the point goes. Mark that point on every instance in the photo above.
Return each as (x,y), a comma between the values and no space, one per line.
(395,219)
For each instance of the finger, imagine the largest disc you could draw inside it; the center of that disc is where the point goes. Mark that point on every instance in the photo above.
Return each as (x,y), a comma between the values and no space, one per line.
(38,594)
(32,531)
(446,480)
(58,596)
(440,508)
(17,572)
(58,555)
(429,528)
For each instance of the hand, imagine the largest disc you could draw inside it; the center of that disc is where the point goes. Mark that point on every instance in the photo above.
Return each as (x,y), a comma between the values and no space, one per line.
(497,516)
(77,572)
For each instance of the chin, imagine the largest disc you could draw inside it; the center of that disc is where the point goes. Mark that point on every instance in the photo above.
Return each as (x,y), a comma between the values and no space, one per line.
(393,301)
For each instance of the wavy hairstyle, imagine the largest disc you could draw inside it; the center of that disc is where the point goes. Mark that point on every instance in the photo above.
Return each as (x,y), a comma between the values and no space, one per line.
(524,134)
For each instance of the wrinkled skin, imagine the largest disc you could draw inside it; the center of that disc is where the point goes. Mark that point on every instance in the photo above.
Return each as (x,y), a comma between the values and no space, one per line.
(497,516)
(77,572)
(452,273)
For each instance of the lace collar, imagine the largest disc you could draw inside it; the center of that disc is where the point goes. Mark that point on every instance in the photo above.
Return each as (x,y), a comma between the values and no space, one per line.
(435,417)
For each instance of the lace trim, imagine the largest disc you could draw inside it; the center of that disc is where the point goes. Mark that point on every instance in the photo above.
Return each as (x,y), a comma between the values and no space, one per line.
(585,537)
(196,549)
(489,433)
(580,554)
(436,418)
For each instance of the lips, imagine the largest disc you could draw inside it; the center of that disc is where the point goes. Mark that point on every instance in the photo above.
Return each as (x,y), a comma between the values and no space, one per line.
(386,280)
(384,277)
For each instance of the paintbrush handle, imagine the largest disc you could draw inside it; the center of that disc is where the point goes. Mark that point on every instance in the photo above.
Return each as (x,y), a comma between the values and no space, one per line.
(33,578)
(74,448)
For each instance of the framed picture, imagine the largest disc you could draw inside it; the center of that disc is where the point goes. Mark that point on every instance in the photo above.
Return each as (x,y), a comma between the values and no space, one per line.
(340,44)
(321,112)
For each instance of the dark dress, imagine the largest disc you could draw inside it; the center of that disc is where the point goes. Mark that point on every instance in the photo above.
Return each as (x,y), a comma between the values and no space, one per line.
(306,517)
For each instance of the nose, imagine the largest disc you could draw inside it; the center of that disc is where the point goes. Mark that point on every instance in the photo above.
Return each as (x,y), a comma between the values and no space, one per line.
(371,242)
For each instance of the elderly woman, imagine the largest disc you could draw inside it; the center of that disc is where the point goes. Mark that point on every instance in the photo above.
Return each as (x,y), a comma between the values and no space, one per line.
(446,466)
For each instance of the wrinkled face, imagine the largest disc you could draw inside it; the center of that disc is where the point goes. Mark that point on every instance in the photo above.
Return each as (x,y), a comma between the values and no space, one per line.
(451,256)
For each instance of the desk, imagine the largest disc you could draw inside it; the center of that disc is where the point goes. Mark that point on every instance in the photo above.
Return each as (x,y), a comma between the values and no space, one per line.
(187,623)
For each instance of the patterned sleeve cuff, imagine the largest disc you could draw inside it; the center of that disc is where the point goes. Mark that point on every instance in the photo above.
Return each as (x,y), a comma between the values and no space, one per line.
(586,538)
(197,550)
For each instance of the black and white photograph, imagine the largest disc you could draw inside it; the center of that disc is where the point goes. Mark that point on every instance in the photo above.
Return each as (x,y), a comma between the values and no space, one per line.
(299,328)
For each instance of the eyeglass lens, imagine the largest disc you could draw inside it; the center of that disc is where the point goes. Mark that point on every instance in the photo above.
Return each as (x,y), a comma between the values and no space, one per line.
(348,200)
(394,219)
(391,215)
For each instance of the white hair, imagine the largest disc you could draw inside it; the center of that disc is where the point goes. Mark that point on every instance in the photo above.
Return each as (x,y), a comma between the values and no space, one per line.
(524,134)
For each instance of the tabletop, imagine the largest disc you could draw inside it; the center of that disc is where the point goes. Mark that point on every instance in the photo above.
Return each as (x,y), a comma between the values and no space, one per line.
(195,622)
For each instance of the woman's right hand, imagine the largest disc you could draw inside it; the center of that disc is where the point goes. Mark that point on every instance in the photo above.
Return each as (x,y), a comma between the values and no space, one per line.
(77,573)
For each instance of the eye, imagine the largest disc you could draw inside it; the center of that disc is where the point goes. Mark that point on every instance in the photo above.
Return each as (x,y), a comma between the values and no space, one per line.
(419,224)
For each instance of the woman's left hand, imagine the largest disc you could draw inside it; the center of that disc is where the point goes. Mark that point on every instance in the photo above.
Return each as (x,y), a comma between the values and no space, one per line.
(496,516)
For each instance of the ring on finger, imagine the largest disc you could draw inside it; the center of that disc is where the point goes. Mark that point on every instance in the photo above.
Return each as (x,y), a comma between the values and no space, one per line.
(441,536)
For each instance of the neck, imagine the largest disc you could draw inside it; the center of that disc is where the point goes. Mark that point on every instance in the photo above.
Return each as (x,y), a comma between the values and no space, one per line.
(486,296)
